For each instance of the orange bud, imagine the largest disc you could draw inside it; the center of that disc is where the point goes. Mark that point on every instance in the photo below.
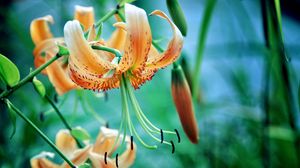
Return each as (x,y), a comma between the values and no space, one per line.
(184,104)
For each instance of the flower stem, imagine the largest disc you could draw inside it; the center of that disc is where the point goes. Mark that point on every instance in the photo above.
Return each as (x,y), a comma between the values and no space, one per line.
(62,118)
(106,17)
(111,50)
(39,132)
(201,44)
(29,77)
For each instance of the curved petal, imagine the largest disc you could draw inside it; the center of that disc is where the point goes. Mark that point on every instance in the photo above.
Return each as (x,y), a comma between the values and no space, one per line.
(117,39)
(42,163)
(58,76)
(99,162)
(81,54)
(126,159)
(137,79)
(39,29)
(85,15)
(65,142)
(92,82)
(79,156)
(174,47)
(138,40)
(40,50)
(105,142)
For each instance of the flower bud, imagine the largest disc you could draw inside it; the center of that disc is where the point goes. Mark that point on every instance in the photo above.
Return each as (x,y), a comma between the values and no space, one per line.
(184,105)
(177,15)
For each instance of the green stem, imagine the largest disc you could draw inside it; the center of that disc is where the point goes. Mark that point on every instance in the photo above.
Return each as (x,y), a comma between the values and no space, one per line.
(40,133)
(29,77)
(201,44)
(111,50)
(106,17)
(62,118)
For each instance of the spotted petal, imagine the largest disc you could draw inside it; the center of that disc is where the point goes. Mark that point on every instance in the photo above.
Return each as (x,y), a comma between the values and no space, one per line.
(39,29)
(173,51)
(81,53)
(85,15)
(138,40)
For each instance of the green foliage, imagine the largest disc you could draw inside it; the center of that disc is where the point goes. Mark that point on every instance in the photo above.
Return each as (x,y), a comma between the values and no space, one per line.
(122,2)
(85,165)
(177,15)
(80,134)
(39,86)
(9,73)
(12,116)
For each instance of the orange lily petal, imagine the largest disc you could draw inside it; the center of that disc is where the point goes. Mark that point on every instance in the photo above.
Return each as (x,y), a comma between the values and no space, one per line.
(138,79)
(98,161)
(58,76)
(40,161)
(65,142)
(117,39)
(138,40)
(105,142)
(41,48)
(39,29)
(81,54)
(92,82)
(85,15)
(79,156)
(174,47)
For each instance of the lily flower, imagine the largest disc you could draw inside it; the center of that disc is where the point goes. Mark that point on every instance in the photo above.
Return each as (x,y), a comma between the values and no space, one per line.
(100,70)
(99,153)
(46,46)
(139,62)
(68,146)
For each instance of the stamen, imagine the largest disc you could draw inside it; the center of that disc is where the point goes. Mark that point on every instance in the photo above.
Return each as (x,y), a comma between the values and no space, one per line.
(131,142)
(42,116)
(178,136)
(117,160)
(161,136)
(173,147)
(105,156)
(55,98)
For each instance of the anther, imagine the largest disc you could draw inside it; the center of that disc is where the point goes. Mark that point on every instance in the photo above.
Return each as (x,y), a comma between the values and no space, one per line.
(106,125)
(178,136)
(42,116)
(161,136)
(55,98)
(131,138)
(105,156)
(173,147)
(117,160)
(118,6)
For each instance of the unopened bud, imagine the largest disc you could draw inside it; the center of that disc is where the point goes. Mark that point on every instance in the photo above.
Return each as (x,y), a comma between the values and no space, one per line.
(183,100)
(177,15)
